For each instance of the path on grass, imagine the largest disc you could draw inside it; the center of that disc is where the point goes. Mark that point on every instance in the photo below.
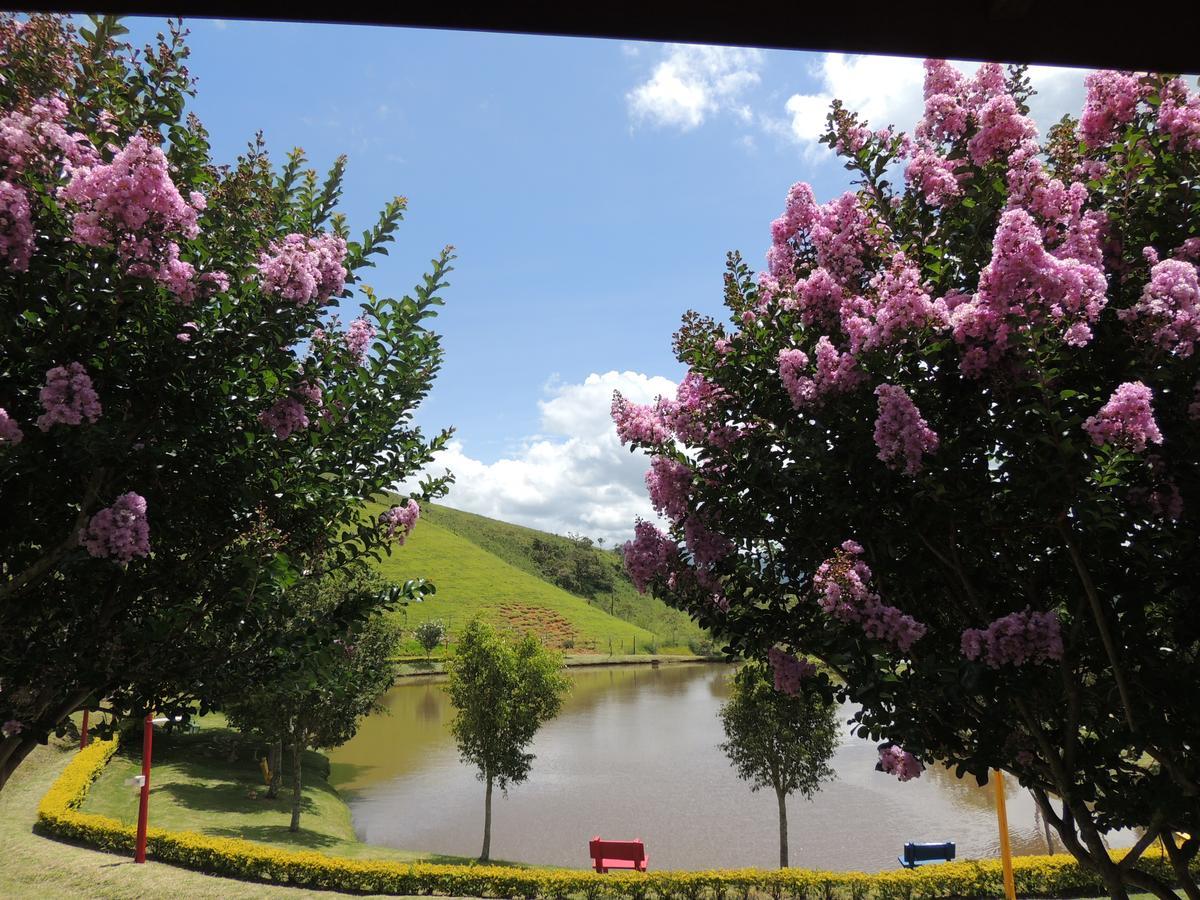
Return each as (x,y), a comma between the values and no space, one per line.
(35,866)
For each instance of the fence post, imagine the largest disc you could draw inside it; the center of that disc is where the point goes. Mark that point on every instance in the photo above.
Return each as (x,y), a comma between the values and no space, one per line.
(139,854)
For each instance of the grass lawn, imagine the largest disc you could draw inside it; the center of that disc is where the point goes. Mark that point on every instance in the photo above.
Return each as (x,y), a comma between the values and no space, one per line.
(195,787)
(33,866)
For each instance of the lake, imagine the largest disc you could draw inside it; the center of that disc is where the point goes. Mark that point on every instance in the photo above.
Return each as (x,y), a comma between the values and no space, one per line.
(634,755)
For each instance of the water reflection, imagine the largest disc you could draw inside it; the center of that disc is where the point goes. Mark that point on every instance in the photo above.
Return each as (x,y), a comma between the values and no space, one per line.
(634,754)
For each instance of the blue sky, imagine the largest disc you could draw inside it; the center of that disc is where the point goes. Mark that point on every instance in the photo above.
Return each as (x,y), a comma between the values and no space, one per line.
(591,188)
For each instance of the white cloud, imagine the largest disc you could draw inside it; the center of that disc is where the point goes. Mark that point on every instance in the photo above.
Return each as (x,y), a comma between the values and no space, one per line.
(888,90)
(575,475)
(693,82)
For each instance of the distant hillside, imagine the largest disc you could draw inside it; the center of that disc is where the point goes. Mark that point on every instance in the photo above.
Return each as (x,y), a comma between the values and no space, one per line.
(472,581)
(592,573)
(507,572)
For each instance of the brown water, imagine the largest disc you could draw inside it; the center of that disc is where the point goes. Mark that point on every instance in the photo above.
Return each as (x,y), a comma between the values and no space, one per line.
(634,755)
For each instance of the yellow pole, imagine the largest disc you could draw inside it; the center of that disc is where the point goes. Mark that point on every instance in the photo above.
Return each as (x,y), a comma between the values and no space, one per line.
(1010,890)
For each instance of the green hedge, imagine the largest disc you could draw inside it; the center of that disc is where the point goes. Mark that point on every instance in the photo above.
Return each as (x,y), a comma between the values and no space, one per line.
(1042,876)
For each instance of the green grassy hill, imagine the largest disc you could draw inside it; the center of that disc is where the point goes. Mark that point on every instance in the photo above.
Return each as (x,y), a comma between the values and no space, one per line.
(611,590)
(471,580)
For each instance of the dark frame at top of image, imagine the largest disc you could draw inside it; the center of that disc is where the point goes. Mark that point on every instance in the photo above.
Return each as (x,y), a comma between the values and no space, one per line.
(1161,36)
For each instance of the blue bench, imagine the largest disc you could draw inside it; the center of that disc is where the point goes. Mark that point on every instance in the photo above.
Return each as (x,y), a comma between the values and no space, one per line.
(925,854)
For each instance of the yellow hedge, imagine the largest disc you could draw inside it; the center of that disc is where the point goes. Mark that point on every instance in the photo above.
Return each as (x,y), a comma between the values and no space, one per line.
(1041,876)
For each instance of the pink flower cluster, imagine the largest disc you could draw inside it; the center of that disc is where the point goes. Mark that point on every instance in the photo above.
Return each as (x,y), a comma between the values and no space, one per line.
(130,203)
(903,306)
(955,103)
(1179,115)
(1168,312)
(901,434)
(1112,99)
(16,227)
(37,139)
(121,531)
(358,338)
(639,423)
(1024,283)
(11,728)
(938,178)
(843,587)
(707,547)
(895,760)
(841,233)
(1015,639)
(289,415)
(68,397)
(836,373)
(649,555)
(399,521)
(1126,420)
(669,483)
(789,671)
(10,431)
(304,269)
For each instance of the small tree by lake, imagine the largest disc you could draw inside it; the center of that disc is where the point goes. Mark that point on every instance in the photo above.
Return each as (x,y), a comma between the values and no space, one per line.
(430,635)
(502,693)
(778,739)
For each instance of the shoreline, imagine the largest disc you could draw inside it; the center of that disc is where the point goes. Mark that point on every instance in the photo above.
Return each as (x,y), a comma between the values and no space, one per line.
(434,668)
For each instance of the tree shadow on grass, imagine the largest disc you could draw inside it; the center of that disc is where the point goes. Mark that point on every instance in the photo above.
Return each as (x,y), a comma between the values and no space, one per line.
(277,834)
(225,797)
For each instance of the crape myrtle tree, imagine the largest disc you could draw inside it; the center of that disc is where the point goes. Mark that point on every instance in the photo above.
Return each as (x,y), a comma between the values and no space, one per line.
(502,692)
(947,443)
(316,699)
(779,735)
(185,428)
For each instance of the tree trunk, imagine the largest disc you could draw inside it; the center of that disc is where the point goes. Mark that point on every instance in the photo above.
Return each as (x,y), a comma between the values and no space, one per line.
(487,823)
(275,763)
(783,838)
(16,749)
(1179,862)
(295,826)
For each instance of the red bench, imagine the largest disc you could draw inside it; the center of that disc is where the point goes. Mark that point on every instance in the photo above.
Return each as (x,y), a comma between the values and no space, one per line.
(618,855)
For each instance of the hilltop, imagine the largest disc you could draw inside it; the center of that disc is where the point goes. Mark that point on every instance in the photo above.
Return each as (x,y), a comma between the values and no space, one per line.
(574,594)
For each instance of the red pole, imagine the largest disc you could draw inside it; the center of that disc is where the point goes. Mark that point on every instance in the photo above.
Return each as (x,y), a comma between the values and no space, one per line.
(83,731)
(139,855)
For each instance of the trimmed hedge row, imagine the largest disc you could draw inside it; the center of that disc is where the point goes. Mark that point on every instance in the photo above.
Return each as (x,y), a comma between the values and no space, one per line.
(1040,876)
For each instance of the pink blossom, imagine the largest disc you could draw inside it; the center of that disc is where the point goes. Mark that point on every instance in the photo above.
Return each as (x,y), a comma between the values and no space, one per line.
(1168,312)
(10,431)
(11,728)
(901,434)
(818,298)
(68,397)
(1179,115)
(649,555)
(669,483)
(219,281)
(843,587)
(304,269)
(945,107)
(1023,283)
(903,306)
(835,373)
(707,547)
(121,531)
(285,417)
(1126,420)
(1015,639)
(399,521)
(639,424)
(934,175)
(38,140)
(789,671)
(358,338)
(895,760)
(130,203)
(16,227)
(694,416)
(1112,99)
(1001,129)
